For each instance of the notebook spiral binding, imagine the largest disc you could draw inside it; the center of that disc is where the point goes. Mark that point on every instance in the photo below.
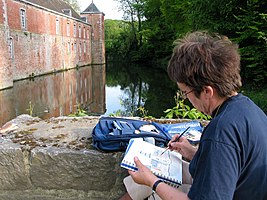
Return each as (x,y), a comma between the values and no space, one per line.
(170,181)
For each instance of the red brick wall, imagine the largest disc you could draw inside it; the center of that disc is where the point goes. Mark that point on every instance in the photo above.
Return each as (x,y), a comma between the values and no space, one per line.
(98,36)
(38,49)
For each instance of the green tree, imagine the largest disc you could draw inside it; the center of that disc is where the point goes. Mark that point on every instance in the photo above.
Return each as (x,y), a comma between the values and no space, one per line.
(214,15)
(165,21)
(153,25)
(118,38)
(252,37)
(133,14)
(242,21)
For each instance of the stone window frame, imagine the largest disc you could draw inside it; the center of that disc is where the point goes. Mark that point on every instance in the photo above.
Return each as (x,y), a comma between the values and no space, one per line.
(69,47)
(68,29)
(80,49)
(11,47)
(75,47)
(74,30)
(88,34)
(23,21)
(84,47)
(57,26)
(80,31)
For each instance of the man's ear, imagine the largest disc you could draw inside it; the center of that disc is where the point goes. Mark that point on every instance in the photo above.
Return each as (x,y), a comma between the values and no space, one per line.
(208,91)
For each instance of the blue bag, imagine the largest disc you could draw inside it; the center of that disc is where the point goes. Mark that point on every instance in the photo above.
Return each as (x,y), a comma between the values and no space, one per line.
(113,134)
(193,134)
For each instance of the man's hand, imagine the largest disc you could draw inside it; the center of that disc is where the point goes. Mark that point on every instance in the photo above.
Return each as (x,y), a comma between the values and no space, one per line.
(183,147)
(143,176)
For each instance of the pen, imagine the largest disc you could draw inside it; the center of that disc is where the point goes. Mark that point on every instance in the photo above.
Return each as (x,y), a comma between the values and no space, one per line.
(177,139)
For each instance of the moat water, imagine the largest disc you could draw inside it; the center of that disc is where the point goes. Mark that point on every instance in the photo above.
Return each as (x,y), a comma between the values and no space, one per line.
(127,88)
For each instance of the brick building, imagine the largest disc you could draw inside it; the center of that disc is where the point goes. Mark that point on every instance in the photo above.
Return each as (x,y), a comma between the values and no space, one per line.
(40,36)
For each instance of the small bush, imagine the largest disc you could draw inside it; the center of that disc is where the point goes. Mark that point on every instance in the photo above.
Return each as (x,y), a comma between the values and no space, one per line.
(181,110)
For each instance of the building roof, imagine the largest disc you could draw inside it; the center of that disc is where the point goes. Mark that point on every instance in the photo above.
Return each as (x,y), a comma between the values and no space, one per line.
(91,9)
(56,5)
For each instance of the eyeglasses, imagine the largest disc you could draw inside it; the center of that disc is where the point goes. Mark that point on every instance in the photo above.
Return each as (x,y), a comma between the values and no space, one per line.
(184,94)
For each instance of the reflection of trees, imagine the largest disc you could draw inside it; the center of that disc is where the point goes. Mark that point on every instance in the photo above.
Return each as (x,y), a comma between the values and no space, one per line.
(142,86)
(134,97)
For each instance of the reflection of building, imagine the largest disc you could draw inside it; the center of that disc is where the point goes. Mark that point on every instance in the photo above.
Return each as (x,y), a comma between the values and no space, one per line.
(56,95)
(43,36)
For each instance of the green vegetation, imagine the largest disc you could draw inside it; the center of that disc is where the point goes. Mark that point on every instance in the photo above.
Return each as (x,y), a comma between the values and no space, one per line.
(116,31)
(144,113)
(149,28)
(181,110)
(79,112)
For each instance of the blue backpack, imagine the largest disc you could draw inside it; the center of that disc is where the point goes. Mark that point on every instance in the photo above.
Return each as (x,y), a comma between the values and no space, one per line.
(113,133)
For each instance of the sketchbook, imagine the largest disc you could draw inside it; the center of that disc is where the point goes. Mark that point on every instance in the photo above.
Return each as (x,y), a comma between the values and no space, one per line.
(167,167)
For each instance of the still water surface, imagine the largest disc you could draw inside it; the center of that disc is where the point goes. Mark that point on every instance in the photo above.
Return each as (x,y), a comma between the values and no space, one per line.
(129,87)
(124,89)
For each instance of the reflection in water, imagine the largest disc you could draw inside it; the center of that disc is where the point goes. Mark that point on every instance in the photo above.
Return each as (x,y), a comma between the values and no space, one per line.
(56,95)
(138,86)
(127,88)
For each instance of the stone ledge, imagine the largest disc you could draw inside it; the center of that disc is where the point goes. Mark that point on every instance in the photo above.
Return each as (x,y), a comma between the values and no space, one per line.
(53,159)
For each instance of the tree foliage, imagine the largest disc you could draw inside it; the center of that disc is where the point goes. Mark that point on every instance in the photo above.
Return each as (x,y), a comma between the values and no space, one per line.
(151,26)
(252,37)
(242,21)
(114,31)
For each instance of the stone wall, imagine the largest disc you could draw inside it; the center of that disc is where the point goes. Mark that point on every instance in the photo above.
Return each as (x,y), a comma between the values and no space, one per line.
(53,159)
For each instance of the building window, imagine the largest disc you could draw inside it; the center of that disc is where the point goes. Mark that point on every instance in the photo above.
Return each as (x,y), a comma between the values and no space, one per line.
(67,12)
(84,19)
(80,31)
(75,47)
(57,27)
(11,47)
(68,29)
(84,33)
(69,48)
(84,47)
(23,18)
(88,34)
(80,49)
(74,30)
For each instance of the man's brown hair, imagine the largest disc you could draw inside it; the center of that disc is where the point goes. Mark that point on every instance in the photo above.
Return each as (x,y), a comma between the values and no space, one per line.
(201,59)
